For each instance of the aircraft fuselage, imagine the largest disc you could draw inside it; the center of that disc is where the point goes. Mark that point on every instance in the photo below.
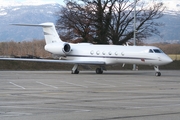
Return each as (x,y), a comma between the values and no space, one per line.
(112,54)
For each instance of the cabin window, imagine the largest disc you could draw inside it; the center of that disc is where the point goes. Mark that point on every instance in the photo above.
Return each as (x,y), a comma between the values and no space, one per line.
(92,52)
(110,53)
(103,53)
(150,51)
(98,52)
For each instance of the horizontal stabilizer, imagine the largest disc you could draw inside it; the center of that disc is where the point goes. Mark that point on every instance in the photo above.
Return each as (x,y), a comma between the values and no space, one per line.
(36,25)
(49,30)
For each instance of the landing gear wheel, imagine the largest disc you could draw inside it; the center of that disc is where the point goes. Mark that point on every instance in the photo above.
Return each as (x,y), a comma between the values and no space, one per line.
(158,74)
(156,68)
(99,71)
(75,72)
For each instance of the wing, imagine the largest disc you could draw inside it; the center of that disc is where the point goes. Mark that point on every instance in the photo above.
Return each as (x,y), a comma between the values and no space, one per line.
(57,61)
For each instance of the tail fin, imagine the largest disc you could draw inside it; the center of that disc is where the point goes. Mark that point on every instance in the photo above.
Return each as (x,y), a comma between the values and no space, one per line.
(49,29)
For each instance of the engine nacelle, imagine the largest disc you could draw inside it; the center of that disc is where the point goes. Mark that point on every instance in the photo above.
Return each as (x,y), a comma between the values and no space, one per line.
(58,48)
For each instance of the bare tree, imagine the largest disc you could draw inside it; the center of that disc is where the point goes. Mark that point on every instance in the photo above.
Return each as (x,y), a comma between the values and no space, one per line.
(102,21)
(122,27)
(74,21)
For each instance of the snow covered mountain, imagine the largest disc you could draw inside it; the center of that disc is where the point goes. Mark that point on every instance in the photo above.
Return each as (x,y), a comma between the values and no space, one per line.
(33,14)
(36,13)
(170,32)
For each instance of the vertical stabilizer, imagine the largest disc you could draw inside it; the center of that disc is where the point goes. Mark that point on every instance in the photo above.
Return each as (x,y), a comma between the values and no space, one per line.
(49,30)
(50,33)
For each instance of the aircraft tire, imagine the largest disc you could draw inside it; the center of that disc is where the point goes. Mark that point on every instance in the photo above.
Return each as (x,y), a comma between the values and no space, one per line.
(158,73)
(99,71)
(75,72)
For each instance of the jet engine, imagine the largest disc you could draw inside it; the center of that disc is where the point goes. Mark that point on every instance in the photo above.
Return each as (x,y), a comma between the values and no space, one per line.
(59,48)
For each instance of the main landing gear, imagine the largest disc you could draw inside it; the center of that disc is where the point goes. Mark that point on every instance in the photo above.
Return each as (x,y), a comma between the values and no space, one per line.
(99,70)
(76,71)
(156,68)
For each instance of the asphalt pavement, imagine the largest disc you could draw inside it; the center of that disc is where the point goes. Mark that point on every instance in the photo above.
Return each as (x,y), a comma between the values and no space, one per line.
(114,95)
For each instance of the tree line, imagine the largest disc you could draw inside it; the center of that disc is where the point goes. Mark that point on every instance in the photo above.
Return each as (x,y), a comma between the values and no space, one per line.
(34,48)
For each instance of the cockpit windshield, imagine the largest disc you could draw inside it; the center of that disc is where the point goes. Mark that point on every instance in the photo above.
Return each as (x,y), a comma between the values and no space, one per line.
(155,51)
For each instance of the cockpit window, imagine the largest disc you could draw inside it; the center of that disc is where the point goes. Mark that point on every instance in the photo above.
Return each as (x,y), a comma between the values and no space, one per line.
(157,51)
(150,51)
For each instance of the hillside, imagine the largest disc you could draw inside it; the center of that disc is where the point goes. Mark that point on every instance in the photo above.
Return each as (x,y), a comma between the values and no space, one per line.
(170,29)
(31,14)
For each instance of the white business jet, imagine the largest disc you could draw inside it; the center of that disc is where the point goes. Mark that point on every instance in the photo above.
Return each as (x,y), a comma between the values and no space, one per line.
(101,55)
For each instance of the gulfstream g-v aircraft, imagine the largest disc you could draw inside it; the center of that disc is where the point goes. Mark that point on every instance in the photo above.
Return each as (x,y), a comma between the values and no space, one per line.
(101,55)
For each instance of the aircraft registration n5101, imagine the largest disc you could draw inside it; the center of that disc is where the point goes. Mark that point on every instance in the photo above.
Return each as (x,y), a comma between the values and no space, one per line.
(101,55)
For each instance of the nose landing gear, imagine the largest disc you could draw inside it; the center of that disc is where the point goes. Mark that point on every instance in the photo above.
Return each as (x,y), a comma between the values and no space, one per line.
(156,68)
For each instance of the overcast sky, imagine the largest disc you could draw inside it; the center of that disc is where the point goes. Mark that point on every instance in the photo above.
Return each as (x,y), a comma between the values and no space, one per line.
(57,1)
(34,1)
(61,2)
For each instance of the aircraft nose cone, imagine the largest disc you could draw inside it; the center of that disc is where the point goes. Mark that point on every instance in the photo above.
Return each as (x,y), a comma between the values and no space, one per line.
(168,60)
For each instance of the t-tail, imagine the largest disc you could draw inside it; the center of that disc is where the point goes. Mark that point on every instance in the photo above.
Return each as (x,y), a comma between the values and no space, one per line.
(54,44)
(49,30)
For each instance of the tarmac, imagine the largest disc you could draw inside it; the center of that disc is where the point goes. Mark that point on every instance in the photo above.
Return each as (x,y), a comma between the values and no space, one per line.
(114,95)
